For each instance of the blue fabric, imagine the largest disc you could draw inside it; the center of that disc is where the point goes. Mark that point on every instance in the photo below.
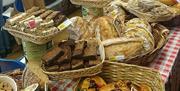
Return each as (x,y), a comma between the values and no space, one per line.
(9,65)
(19,5)
(6,40)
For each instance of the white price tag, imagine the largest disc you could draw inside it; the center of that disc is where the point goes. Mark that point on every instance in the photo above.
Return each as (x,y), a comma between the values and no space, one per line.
(118,58)
(64,25)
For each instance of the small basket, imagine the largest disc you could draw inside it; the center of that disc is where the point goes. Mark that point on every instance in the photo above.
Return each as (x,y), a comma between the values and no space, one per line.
(90,71)
(113,72)
(91,3)
(32,38)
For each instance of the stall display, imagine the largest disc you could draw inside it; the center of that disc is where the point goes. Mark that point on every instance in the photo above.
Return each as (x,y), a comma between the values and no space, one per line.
(36,25)
(124,80)
(74,59)
(149,10)
(106,47)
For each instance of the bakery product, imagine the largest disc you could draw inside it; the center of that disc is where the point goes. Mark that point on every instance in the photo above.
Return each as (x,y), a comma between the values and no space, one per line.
(90,51)
(52,55)
(39,12)
(52,15)
(70,43)
(123,48)
(119,86)
(79,49)
(66,57)
(45,14)
(137,27)
(105,29)
(149,10)
(92,83)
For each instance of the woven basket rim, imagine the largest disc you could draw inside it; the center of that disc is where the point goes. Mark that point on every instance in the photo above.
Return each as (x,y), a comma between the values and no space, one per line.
(101,49)
(133,65)
(114,71)
(70,71)
(29,35)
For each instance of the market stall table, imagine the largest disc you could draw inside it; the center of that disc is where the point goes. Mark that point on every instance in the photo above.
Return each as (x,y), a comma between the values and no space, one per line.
(163,63)
(166,58)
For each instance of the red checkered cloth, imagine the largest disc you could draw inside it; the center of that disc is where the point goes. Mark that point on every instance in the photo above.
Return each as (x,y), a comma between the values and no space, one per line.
(63,85)
(165,60)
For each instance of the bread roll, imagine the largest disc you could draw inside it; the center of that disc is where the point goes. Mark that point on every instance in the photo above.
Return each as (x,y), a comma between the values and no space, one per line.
(105,29)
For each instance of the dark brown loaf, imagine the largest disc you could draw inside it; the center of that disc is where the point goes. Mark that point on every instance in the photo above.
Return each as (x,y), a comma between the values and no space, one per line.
(79,49)
(52,55)
(70,43)
(66,57)
(90,51)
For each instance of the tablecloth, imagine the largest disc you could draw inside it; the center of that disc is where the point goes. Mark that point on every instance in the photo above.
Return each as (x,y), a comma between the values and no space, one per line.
(165,60)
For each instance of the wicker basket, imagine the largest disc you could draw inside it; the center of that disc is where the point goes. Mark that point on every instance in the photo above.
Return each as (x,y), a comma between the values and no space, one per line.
(160,34)
(91,3)
(32,38)
(137,7)
(112,72)
(80,72)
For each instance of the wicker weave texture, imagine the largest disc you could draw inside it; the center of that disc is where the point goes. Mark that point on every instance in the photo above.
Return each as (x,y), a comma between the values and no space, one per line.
(113,72)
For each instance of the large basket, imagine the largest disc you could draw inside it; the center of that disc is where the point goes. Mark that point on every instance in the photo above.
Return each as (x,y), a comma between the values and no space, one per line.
(78,73)
(113,72)
(160,34)
(31,38)
(160,40)
(91,3)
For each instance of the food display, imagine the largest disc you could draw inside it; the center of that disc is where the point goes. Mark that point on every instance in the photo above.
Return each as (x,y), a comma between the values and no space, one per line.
(97,83)
(111,39)
(71,55)
(149,10)
(36,21)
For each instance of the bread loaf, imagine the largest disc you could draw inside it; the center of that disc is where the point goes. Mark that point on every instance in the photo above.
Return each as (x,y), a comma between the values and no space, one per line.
(105,28)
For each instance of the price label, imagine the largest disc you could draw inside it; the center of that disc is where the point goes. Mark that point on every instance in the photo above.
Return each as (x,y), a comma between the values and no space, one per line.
(64,25)
(118,58)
